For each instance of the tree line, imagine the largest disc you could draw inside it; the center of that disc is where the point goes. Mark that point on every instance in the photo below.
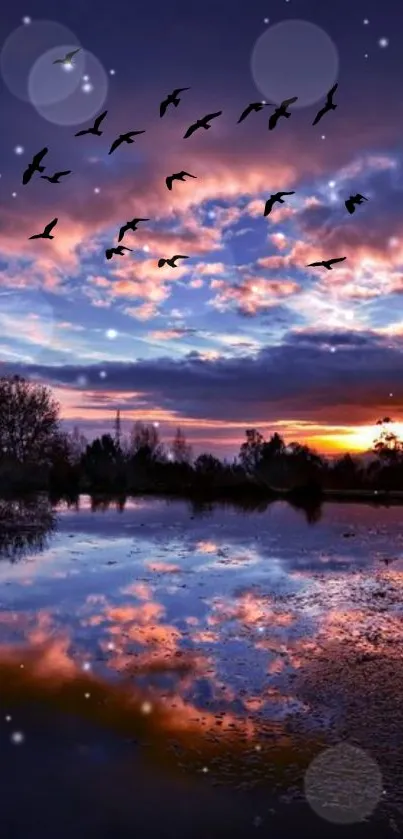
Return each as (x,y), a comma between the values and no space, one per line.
(36,453)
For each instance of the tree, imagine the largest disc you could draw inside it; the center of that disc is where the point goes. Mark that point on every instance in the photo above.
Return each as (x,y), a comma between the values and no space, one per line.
(29,421)
(181,450)
(77,444)
(387,445)
(250,452)
(144,436)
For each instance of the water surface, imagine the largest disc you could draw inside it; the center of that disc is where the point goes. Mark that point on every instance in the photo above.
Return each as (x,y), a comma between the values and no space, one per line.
(175,669)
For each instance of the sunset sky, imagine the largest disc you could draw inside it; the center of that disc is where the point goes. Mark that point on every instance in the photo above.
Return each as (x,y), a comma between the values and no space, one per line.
(241,334)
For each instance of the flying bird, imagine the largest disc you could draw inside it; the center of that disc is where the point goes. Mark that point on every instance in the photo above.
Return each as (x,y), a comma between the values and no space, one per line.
(94,128)
(201,123)
(118,251)
(326,263)
(277,197)
(328,106)
(130,225)
(46,232)
(353,200)
(67,58)
(281,111)
(54,179)
(34,166)
(124,138)
(254,106)
(172,99)
(171,261)
(178,176)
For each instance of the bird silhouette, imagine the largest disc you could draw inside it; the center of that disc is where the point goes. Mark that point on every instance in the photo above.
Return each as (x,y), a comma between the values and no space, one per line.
(67,58)
(94,128)
(124,138)
(326,263)
(118,251)
(353,200)
(34,166)
(254,106)
(277,197)
(281,111)
(178,176)
(172,99)
(201,123)
(171,261)
(130,225)
(54,179)
(46,232)
(328,106)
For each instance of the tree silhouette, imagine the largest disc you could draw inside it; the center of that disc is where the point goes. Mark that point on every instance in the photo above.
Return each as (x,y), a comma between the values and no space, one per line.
(250,452)
(387,445)
(181,450)
(29,421)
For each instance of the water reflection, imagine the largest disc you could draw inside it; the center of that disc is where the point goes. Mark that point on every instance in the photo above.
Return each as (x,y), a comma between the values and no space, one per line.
(25,526)
(223,645)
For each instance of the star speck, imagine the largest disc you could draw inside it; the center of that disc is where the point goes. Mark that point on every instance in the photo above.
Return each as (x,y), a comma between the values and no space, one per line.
(27,20)
(111,645)
(112,72)
(17,738)
(87,87)
(146,708)
(332,184)
(146,248)
(266,20)
(111,334)
(102,374)
(383,42)
(366,55)
(8,718)
(323,137)
(19,149)
(365,21)
(205,769)
(86,666)
(97,190)
(391,394)
(87,695)
(86,78)
(14,194)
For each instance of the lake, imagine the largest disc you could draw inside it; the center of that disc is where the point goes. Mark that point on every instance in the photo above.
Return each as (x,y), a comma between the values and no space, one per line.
(174,669)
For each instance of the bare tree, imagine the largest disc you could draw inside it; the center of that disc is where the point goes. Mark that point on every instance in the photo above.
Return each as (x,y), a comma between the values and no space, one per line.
(29,420)
(181,450)
(144,436)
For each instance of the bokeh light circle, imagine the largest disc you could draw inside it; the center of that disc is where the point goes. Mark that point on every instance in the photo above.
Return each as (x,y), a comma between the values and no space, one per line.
(86,100)
(343,784)
(49,83)
(294,58)
(24,46)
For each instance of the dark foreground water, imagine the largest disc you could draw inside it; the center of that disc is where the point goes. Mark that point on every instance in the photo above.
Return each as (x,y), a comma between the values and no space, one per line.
(167,671)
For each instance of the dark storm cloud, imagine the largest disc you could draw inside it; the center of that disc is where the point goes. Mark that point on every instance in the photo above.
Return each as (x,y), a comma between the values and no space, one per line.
(300,379)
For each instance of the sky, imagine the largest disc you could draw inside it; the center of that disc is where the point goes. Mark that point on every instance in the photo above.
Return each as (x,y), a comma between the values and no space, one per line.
(242,334)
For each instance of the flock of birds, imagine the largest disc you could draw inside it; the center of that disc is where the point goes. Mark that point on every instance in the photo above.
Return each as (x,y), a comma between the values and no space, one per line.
(204,123)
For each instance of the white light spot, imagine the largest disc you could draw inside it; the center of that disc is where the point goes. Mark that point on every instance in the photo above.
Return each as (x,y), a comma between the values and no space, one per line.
(87,695)
(82,381)
(211,214)
(86,78)
(332,184)
(68,67)
(97,190)
(111,334)
(391,394)
(332,349)
(87,666)
(146,708)
(17,738)
(8,718)
(393,242)
(27,20)
(266,20)
(87,87)
(260,629)
(258,748)
(205,769)
(170,456)
(22,666)
(323,137)
(111,645)
(155,424)
(343,784)
(146,248)
(102,374)
(366,55)
(383,42)
(14,194)
(19,149)
(365,21)
(112,72)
